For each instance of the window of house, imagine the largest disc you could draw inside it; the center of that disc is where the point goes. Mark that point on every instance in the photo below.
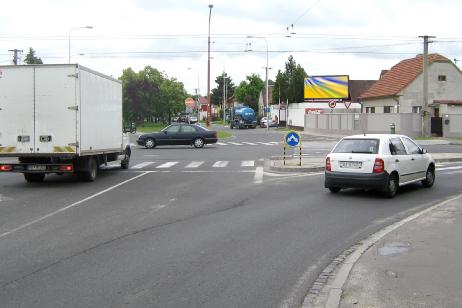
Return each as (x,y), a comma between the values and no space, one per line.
(370,109)
(416,109)
(441,77)
(388,109)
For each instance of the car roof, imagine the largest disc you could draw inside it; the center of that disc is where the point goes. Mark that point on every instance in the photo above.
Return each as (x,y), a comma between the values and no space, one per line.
(374,136)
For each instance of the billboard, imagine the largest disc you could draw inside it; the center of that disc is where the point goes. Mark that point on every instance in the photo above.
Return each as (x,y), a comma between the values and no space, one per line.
(326,87)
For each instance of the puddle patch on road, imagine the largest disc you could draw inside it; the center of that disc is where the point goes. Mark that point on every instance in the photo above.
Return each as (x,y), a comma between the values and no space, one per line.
(394,248)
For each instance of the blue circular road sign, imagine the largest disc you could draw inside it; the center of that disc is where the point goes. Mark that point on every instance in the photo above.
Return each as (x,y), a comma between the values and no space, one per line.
(293,139)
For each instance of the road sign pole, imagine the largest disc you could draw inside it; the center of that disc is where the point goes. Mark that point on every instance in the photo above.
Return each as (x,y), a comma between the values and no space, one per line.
(284,154)
(300,154)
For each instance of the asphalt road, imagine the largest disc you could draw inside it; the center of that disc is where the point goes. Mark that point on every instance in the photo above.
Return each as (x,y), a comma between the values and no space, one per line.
(187,227)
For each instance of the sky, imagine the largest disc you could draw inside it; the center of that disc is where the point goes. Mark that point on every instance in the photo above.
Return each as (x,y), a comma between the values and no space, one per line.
(358,38)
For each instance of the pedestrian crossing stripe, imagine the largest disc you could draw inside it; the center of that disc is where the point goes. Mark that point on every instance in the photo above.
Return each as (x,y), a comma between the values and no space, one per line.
(235,143)
(193,164)
(142,165)
(220,164)
(167,164)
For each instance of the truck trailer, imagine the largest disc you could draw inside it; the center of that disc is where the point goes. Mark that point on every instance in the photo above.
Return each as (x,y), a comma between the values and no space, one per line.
(60,119)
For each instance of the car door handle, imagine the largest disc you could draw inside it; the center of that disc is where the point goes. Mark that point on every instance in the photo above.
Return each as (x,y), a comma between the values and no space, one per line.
(397,160)
(413,158)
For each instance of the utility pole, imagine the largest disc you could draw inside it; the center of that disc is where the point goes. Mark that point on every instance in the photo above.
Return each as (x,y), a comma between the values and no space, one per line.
(426,111)
(209,102)
(15,52)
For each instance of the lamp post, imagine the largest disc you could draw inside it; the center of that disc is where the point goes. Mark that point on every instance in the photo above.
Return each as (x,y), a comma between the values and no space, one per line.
(266,82)
(224,96)
(209,108)
(197,92)
(70,33)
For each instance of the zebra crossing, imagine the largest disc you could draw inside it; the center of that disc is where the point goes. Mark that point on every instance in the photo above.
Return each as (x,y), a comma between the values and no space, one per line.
(247,143)
(194,165)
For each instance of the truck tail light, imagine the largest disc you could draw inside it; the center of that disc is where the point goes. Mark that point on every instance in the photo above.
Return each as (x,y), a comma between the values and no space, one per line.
(379,165)
(66,168)
(328,166)
(6,167)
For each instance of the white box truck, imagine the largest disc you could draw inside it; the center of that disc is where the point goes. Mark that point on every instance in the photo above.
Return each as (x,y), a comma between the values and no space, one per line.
(60,119)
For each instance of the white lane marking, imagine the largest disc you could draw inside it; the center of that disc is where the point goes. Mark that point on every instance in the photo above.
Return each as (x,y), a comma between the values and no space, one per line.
(258,178)
(71,206)
(449,168)
(221,143)
(248,163)
(151,155)
(265,143)
(142,165)
(4,198)
(274,142)
(453,172)
(235,143)
(167,165)
(220,164)
(194,164)
(249,143)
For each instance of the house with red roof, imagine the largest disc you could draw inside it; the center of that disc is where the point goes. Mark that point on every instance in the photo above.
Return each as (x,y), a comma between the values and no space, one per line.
(400,89)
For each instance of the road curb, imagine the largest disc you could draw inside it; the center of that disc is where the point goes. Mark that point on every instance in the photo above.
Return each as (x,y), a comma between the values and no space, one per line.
(338,271)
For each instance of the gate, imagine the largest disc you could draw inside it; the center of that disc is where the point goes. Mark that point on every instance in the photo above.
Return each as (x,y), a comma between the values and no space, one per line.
(437,126)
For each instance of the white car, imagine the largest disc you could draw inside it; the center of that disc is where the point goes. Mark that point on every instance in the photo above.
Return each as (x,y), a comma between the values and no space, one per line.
(263,122)
(378,161)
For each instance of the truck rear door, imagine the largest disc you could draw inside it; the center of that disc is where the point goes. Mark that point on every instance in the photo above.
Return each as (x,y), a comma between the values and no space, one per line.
(56,91)
(16,110)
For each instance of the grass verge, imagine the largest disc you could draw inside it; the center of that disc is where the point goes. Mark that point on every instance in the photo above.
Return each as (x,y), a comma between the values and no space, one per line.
(223,135)
(150,127)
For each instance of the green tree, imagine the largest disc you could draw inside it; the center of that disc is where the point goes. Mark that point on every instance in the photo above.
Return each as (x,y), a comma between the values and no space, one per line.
(217,93)
(249,90)
(31,58)
(150,95)
(289,84)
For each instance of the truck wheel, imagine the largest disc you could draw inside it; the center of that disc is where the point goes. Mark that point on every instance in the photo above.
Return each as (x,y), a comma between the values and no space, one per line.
(34,177)
(231,126)
(92,172)
(125,163)
(150,143)
(198,143)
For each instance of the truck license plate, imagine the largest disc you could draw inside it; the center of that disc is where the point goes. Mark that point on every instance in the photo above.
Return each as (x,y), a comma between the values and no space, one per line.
(351,164)
(37,168)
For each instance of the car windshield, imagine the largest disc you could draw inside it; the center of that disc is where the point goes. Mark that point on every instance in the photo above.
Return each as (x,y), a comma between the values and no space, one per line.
(368,146)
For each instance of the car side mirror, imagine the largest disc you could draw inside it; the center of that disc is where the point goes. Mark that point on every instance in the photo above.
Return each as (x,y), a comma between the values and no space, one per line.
(423,151)
(165,132)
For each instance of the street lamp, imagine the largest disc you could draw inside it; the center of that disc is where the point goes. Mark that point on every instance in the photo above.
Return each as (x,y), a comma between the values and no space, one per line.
(70,33)
(197,91)
(266,70)
(209,109)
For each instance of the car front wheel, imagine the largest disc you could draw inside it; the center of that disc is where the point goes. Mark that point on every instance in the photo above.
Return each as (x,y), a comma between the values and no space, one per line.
(150,143)
(198,143)
(429,177)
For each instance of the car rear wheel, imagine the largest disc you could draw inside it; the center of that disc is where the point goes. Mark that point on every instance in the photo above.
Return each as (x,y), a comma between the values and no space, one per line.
(91,173)
(392,186)
(150,143)
(334,190)
(429,177)
(198,143)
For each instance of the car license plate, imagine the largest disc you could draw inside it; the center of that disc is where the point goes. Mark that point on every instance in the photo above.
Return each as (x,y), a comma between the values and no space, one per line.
(37,168)
(350,164)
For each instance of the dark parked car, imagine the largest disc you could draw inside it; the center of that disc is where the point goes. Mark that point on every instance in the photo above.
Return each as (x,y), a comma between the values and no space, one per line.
(179,134)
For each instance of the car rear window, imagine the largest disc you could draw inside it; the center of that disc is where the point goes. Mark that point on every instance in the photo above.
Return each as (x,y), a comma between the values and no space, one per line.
(369,146)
